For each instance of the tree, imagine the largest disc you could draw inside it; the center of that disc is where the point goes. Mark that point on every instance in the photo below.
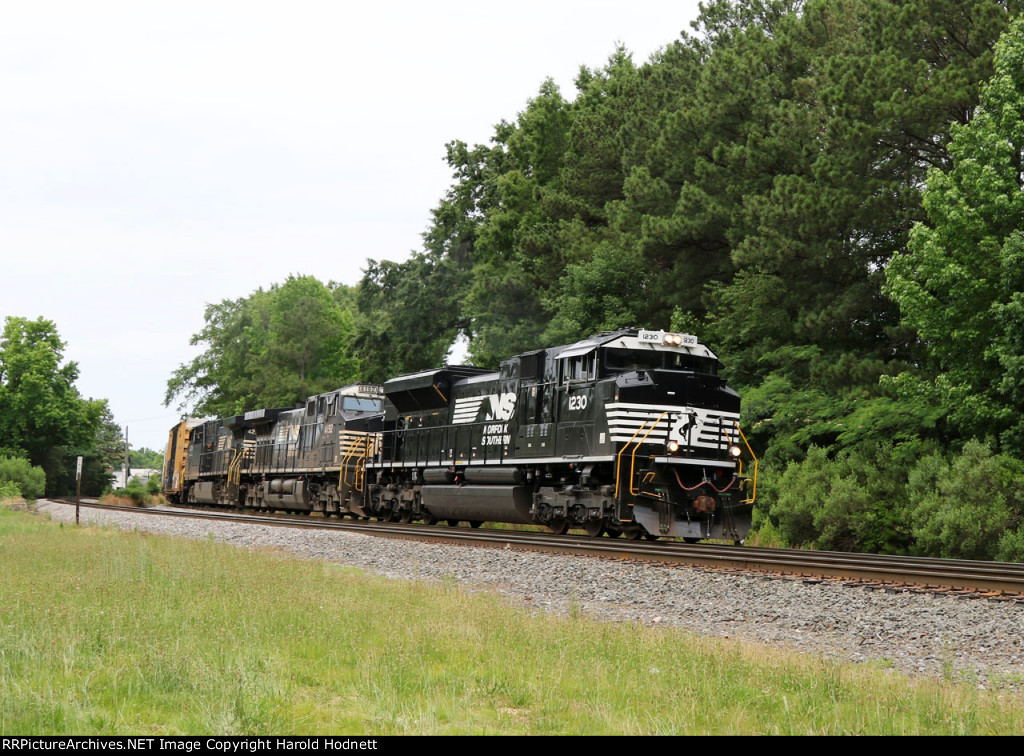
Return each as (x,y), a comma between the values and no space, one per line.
(272,348)
(960,284)
(42,414)
(144,458)
(307,346)
(101,455)
(969,507)
(406,314)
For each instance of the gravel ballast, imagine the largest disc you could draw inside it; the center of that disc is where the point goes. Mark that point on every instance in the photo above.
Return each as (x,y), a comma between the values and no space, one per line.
(919,634)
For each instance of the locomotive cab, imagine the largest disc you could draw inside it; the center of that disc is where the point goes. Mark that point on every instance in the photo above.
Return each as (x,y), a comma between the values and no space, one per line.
(674,423)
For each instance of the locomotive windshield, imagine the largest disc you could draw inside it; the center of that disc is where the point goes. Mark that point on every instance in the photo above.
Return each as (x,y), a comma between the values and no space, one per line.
(625,360)
(359,404)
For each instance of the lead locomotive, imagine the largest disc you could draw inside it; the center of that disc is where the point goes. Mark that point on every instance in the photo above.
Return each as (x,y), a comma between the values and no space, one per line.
(631,432)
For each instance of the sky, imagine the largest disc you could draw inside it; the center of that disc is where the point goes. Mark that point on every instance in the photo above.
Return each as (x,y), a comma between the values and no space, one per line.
(156,157)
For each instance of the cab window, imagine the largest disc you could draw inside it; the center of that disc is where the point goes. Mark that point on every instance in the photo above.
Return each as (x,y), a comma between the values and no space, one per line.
(358,404)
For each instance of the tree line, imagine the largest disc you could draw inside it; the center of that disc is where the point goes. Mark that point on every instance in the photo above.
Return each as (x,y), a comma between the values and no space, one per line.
(828,192)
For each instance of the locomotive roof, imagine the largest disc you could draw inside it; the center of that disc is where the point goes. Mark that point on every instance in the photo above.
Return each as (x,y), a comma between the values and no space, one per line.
(265,415)
(631,338)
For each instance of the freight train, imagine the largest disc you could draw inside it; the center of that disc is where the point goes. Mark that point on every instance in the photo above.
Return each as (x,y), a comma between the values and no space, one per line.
(630,433)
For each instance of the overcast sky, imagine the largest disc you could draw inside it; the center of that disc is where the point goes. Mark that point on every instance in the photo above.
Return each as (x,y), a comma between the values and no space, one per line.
(158,156)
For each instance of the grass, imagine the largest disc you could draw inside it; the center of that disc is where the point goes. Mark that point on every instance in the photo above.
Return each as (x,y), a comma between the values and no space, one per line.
(104,632)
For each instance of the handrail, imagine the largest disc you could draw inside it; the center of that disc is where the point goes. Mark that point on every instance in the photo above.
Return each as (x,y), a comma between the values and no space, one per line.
(618,457)
(234,468)
(753,489)
(632,462)
(359,482)
(344,464)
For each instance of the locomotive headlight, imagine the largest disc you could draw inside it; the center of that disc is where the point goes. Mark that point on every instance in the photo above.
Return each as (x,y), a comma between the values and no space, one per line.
(735,452)
(672,446)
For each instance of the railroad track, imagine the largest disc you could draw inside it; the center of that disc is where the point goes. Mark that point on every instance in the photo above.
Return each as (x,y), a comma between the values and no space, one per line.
(998,580)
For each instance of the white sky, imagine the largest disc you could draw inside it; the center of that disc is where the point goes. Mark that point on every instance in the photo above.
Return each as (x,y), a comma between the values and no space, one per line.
(158,156)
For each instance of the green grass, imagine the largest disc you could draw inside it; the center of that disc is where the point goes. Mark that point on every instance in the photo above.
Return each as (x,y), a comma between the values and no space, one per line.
(103,632)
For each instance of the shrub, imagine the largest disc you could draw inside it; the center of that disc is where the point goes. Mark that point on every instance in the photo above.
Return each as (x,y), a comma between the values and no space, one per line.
(855,502)
(969,506)
(30,481)
(134,491)
(9,490)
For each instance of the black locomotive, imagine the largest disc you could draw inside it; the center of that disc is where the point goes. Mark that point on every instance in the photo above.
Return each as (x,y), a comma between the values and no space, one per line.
(631,433)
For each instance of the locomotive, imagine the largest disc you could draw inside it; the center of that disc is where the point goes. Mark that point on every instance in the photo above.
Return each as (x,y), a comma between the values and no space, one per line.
(630,432)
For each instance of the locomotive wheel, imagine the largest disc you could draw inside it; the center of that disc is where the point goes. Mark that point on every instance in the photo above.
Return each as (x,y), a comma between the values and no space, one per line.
(558,526)
(429,519)
(452,523)
(613,532)
(690,540)
(594,528)
(650,536)
(405,516)
(475,523)
(633,532)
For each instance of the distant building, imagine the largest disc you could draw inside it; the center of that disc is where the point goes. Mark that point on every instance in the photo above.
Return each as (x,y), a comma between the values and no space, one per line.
(142,474)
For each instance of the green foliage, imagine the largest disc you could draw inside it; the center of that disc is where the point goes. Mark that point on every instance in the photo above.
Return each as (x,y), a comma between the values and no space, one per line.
(407,315)
(969,507)
(855,502)
(965,505)
(270,349)
(146,459)
(102,455)
(41,411)
(755,179)
(27,480)
(960,285)
(136,491)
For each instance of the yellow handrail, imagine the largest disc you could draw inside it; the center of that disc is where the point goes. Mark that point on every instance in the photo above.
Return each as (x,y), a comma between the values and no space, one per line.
(618,457)
(753,489)
(632,461)
(368,449)
(234,468)
(344,464)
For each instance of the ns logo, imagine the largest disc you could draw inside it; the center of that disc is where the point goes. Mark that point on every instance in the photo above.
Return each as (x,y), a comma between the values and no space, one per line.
(501,407)
(687,428)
